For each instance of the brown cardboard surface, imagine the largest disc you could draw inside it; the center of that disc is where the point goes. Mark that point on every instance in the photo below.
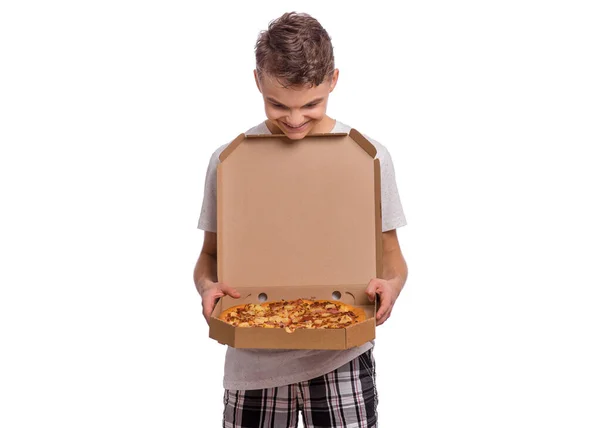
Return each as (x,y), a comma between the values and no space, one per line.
(283,136)
(298,219)
(301,208)
(378,225)
(351,294)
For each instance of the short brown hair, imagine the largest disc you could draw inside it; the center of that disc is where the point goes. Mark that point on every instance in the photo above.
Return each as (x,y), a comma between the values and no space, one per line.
(296,50)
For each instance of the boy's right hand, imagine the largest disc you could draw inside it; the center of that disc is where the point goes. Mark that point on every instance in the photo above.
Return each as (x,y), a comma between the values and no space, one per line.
(211,291)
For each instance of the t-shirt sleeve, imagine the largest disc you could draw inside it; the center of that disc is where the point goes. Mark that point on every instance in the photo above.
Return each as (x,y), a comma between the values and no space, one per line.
(208,214)
(392,214)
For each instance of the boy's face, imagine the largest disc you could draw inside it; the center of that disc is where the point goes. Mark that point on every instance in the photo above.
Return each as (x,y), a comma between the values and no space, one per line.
(296,111)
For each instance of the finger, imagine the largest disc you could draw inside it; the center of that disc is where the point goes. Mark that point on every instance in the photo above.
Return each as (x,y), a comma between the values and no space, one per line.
(386,304)
(208,305)
(230,291)
(372,288)
(206,311)
(384,317)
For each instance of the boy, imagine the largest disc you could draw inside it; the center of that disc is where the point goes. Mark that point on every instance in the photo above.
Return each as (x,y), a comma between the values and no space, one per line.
(266,388)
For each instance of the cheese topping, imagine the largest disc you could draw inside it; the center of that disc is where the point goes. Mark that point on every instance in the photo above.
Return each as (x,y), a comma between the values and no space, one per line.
(292,315)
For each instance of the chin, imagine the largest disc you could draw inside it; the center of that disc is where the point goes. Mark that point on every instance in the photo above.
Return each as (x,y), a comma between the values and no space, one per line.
(296,135)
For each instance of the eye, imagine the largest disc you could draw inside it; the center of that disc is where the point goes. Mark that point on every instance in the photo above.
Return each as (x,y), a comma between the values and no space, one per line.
(311,105)
(279,106)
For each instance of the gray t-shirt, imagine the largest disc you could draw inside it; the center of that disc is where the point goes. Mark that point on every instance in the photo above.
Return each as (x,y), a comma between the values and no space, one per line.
(267,368)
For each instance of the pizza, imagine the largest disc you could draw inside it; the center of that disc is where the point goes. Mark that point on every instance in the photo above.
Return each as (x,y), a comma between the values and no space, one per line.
(294,314)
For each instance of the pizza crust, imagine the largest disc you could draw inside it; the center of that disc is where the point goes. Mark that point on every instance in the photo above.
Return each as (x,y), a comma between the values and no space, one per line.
(233,309)
(360,312)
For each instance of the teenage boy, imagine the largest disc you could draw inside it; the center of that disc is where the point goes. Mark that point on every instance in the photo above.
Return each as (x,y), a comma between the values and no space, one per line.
(295,74)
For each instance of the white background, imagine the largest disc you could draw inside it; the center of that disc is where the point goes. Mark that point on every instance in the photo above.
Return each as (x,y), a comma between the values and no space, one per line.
(109,112)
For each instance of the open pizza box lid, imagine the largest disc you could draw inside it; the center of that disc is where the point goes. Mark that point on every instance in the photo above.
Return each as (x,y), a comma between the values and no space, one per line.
(298,219)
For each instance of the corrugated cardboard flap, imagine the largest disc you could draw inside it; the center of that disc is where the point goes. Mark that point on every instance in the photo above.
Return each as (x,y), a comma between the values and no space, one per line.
(219,330)
(299,212)
(331,134)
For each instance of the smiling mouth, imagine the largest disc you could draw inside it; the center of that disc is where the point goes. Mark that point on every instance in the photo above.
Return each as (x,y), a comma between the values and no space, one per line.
(295,127)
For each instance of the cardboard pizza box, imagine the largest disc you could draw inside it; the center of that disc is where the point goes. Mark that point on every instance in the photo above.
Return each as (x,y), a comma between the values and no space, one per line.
(298,219)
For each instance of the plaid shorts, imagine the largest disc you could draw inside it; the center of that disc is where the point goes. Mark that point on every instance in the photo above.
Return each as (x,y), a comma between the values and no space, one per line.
(343,398)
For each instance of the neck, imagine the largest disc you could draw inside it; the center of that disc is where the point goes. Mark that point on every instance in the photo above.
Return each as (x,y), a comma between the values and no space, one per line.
(325,126)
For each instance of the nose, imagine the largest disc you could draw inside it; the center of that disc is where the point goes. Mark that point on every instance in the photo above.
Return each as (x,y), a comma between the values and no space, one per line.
(295,118)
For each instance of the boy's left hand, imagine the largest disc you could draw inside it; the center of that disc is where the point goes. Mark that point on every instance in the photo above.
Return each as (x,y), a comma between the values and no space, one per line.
(388,291)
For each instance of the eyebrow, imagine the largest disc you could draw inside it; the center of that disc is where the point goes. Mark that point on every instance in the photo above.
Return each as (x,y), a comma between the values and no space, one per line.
(315,101)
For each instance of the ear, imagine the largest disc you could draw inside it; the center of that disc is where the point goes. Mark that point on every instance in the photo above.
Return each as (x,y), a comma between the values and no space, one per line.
(257,81)
(334,79)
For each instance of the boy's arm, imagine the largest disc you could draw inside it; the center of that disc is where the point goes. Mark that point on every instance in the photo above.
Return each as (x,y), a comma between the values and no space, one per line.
(206,266)
(205,276)
(394,275)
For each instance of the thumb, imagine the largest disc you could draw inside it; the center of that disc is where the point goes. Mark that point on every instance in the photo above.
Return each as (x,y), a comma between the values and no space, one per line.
(229,291)
(371,289)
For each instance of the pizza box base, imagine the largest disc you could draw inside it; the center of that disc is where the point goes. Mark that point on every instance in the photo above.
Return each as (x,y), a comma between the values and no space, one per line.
(278,338)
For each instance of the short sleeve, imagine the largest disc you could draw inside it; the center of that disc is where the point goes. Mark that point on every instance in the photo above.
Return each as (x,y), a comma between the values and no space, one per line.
(208,214)
(392,213)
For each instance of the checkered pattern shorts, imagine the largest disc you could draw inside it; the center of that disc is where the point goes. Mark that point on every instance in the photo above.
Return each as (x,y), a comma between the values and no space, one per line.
(343,398)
